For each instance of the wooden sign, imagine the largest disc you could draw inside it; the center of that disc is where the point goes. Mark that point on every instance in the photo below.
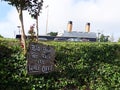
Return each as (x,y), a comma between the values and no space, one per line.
(40,58)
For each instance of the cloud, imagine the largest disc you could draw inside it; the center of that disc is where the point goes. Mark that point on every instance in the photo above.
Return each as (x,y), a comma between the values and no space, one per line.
(8,27)
(104,16)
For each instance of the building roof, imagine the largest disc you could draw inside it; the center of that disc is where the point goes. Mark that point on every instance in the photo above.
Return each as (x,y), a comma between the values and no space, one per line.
(78,34)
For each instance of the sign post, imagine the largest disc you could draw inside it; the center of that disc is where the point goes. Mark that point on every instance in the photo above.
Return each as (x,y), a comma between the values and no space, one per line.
(40,58)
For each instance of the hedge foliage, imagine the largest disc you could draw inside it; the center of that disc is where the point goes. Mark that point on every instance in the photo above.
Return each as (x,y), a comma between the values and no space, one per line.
(78,66)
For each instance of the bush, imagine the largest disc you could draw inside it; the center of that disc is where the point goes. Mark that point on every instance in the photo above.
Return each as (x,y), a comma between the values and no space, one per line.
(78,66)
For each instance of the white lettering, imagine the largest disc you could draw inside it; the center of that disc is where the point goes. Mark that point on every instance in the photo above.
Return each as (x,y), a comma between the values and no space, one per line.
(35,47)
(40,61)
(34,68)
(34,55)
(47,69)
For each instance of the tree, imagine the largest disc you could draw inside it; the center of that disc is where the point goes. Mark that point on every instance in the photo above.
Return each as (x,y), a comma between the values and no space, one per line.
(35,10)
(104,38)
(20,6)
(53,33)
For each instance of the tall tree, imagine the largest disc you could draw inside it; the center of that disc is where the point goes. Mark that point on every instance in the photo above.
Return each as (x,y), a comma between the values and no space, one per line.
(20,6)
(34,11)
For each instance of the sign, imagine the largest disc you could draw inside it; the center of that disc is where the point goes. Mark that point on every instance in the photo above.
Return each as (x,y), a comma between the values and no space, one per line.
(40,58)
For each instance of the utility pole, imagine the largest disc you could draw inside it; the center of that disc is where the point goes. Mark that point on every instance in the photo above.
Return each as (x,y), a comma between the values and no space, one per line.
(47,18)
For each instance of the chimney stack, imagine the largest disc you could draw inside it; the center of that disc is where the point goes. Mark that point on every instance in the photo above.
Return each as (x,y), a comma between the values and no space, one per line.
(87,27)
(69,26)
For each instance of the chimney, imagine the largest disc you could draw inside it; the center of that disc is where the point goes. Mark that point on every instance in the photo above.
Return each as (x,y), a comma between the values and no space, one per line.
(69,26)
(87,27)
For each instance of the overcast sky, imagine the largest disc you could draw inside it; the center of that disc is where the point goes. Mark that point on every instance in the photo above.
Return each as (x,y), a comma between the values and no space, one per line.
(104,16)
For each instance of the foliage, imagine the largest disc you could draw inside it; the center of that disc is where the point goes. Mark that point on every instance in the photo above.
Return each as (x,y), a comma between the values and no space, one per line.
(34,11)
(35,8)
(53,33)
(104,38)
(19,4)
(32,33)
(78,66)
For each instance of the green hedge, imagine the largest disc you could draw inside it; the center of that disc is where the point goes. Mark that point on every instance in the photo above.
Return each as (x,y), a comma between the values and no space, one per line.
(78,66)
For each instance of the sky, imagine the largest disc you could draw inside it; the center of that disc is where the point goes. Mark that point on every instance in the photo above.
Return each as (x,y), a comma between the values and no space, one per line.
(104,16)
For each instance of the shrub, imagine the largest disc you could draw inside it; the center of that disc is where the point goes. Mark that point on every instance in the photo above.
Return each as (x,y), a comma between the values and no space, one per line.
(78,66)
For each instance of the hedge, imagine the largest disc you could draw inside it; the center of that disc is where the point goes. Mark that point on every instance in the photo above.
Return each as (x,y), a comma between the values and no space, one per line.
(78,66)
